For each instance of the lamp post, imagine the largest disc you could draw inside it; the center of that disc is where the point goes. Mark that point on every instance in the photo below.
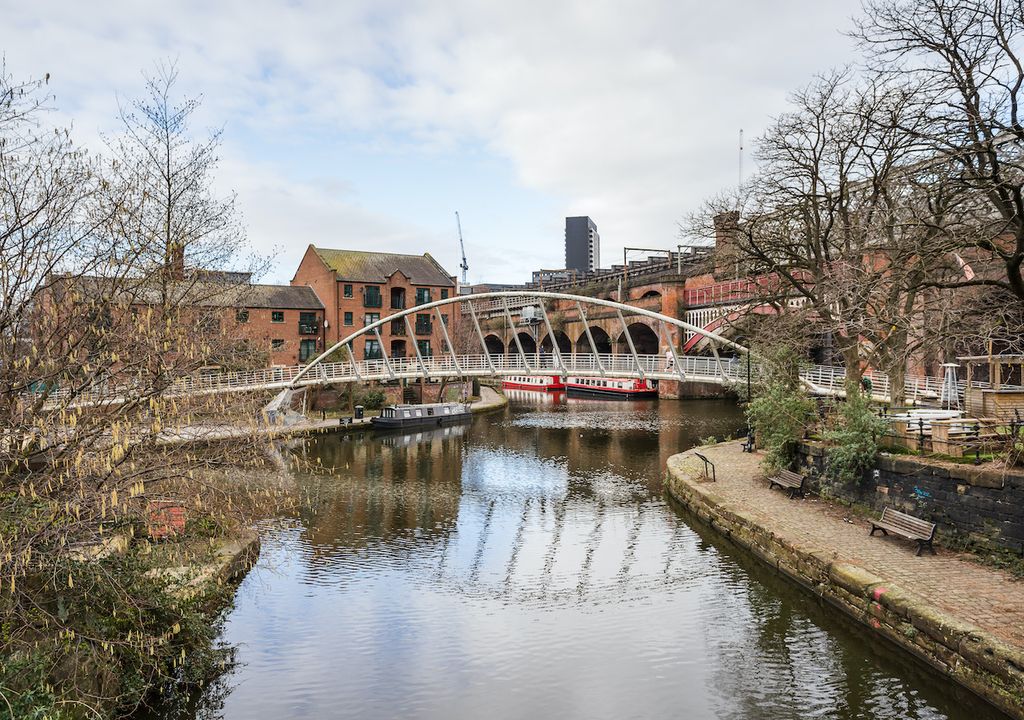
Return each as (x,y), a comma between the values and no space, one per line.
(748,377)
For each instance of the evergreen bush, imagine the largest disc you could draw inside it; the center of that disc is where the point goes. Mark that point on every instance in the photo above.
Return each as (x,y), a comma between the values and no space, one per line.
(854,441)
(780,410)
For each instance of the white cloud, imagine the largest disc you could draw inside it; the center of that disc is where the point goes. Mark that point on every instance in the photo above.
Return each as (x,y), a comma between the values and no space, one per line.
(628,113)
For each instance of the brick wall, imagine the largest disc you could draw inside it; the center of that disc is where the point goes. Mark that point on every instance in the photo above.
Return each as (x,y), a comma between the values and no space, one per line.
(983,505)
(313,273)
(262,332)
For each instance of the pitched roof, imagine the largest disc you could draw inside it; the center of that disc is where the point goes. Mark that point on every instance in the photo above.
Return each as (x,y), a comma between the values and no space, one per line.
(377,267)
(292,297)
(201,292)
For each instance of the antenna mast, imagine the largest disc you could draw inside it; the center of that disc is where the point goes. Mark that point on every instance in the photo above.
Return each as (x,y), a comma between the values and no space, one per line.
(740,183)
(462,246)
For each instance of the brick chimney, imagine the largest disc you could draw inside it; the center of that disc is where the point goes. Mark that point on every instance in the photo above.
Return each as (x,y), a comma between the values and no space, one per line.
(727,256)
(175,261)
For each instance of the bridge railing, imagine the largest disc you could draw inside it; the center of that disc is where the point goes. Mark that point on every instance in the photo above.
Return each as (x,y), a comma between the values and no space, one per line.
(825,378)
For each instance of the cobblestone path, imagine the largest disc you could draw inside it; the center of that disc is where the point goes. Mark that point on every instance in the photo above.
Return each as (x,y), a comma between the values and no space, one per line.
(986,597)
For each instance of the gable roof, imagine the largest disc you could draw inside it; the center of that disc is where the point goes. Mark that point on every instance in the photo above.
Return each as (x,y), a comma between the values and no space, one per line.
(377,267)
(289,297)
(198,292)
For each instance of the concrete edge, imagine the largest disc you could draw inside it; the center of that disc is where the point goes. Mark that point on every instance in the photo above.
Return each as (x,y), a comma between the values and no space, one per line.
(483,406)
(966,654)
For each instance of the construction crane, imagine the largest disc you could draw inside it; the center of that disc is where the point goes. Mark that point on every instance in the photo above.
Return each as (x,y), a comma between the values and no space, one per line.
(462,247)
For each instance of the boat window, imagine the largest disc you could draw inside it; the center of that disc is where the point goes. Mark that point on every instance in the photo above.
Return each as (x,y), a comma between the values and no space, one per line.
(419,413)
(430,411)
(407,414)
(447,411)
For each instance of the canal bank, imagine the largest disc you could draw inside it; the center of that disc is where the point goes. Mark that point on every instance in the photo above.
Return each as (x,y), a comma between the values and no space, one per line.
(489,401)
(965,620)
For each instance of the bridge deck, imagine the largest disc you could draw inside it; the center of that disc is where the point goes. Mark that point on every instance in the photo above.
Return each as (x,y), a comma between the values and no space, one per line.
(822,379)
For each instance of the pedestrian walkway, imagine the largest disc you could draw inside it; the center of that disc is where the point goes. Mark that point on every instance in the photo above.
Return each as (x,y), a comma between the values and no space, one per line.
(490,399)
(985,597)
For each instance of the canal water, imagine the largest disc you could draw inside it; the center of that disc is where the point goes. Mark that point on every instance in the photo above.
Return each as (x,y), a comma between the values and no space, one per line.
(528,565)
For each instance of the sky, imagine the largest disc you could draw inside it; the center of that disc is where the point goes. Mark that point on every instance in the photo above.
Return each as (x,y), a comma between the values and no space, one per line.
(367,125)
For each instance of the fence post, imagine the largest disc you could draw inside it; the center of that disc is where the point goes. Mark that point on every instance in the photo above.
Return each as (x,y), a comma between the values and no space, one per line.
(920,431)
(977,443)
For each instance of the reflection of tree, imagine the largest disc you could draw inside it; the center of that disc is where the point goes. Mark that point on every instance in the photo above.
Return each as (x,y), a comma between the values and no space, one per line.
(772,663)
(377,488)
(782,656)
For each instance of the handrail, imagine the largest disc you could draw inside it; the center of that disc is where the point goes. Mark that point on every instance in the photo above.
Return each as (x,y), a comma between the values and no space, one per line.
(707,464)
(823,378)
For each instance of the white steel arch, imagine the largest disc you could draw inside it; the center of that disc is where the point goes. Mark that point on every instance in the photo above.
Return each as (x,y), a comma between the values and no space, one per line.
(374,327)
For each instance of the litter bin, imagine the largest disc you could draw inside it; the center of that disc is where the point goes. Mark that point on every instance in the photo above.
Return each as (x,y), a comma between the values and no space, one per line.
(359,412)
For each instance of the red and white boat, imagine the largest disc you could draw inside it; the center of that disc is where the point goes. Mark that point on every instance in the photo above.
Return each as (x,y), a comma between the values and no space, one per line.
(611,388)
(540,383)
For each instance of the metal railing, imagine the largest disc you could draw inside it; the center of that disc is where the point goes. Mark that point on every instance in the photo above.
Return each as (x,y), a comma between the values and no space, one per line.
(823,379)
(720,292)
(708,465)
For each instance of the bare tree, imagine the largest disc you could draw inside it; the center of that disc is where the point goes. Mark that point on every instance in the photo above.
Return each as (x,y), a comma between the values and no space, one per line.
(94,294)
(965,57)
(840,222)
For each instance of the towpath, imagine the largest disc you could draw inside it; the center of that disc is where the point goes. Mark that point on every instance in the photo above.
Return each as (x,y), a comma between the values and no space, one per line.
(986,597)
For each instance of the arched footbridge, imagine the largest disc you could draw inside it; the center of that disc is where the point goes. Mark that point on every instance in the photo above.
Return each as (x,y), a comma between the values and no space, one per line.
(466,355)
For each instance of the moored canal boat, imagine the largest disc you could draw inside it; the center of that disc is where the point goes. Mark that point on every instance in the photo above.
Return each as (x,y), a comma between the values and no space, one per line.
(543,383)
(396,417)
(611,388)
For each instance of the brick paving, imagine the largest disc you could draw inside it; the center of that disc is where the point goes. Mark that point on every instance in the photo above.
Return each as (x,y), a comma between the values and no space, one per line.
(985,597)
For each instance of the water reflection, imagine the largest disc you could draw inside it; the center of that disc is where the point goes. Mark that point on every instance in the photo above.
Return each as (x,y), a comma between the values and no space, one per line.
(527,564)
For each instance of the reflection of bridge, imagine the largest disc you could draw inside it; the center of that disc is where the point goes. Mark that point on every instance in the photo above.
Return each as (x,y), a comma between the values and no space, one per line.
(646,348)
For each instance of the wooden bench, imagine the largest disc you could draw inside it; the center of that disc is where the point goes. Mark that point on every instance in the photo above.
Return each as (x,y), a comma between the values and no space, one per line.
(906,526)
(788,479)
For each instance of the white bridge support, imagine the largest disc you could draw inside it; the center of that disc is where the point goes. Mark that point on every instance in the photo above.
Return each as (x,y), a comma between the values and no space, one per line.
(638,369)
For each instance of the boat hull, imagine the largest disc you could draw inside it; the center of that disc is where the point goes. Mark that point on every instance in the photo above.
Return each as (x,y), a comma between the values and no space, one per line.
(610,393)
(418,422)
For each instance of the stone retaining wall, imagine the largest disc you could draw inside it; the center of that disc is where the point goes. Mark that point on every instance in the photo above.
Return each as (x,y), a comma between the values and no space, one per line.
(983,505)
(964,653)
(689,390)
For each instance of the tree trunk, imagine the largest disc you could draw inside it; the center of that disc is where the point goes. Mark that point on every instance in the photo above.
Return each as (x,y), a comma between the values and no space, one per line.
(851,360)
(897,372)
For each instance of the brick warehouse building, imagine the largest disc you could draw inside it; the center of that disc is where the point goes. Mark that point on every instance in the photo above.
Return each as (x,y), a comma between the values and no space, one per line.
(358,287)
(263,324)
(284,320)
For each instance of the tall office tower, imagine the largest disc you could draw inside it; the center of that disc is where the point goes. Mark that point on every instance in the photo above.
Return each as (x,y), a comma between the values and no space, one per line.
(582,244)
